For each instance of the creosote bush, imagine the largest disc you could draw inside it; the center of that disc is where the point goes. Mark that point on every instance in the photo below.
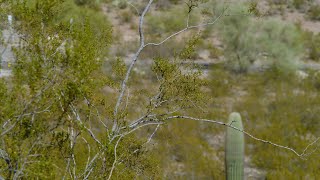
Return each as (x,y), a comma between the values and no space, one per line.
(50,107)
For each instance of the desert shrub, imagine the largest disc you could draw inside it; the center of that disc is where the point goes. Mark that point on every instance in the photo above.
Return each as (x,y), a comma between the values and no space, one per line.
(121,4)
(248,40)
(312,43)
(89,3)
(298,4)
(126,16)
(314,12)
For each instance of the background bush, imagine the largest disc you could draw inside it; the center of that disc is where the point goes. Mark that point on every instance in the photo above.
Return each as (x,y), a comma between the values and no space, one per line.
(249,40)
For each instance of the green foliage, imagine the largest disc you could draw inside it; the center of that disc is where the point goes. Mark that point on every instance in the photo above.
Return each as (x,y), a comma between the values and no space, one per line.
(312,42)
(56,96)
(126,16)
(220,82)
(314,12)
(253,9)
(248,40)
(90,3)
(189,50)
(273,104)
(180,81)
(234,148)
(182,87)
(119,70)
(136,161)
(59,91)
(298,3)
(121,4)
(57,68)
(186,150)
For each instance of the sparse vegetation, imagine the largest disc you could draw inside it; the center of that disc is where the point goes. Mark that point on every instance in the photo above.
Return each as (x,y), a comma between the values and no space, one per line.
(314,12)
(57,110)
(249,41)
(312,42)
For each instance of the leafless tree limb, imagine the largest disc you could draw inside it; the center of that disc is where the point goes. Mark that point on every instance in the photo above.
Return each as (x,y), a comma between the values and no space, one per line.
(77,116)
(154,132)
(301,155)
(134,59)
(115,157)
(186,29)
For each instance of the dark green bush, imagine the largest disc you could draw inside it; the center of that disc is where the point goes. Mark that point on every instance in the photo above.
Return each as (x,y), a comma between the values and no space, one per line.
(314,47)
(298,3)
(314,12)
(121,4)
(89,3)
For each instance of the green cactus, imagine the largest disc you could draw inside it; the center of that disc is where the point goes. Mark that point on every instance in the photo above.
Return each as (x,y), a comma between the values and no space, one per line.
(234,156)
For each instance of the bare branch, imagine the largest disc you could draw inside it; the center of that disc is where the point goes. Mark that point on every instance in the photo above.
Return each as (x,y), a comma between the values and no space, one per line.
(186,29)
(154,132)
(309,145)
(301,155)
(77,116)
(134,59)
(115,157)
(135,8)
(89,168)
(89,151)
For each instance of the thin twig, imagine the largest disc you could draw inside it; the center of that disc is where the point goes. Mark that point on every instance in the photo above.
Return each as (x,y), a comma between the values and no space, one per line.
(135,8)
(154,132)
(186,29)
(301,155)
(115,157)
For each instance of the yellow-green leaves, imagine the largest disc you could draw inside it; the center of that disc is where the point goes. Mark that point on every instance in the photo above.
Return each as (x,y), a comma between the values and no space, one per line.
(189,49)
(178,83)
(119,68)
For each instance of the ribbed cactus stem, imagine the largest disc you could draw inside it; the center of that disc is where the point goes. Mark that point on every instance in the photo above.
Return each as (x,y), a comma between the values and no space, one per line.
(234,148)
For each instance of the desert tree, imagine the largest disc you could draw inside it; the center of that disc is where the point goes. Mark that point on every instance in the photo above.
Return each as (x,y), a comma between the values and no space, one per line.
(55,119)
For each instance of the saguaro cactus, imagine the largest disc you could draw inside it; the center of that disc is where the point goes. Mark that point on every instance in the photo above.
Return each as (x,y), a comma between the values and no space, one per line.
(234,149)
